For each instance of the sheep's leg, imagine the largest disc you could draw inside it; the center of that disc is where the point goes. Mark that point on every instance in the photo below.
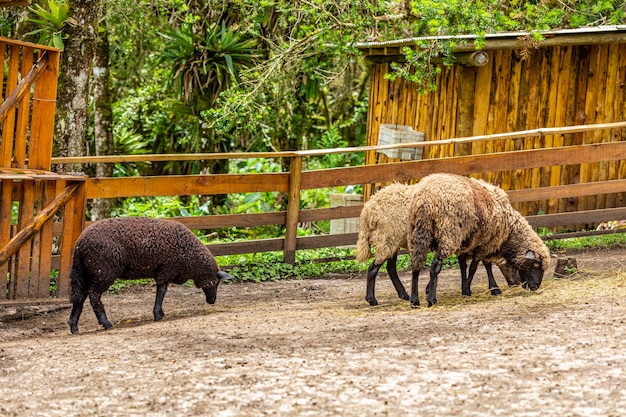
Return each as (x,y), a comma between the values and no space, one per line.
(467,290)
(465,285)
(77,309)
(158,303)
(395,279)
(493,286)
(372,271)
(98,309)
(415,300)
(431,288)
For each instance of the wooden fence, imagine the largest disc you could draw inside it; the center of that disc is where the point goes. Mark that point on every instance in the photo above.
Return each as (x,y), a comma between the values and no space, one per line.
(294,182)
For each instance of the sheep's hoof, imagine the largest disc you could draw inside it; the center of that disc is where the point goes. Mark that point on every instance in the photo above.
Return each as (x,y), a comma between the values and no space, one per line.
(74,329)
(372,301)
(496,291)
(107,325)
(415,303)
(466,293)
(404,296)
(432,303)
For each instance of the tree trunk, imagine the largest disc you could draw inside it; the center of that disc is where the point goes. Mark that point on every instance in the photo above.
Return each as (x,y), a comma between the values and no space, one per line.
(103,118)
(72,113)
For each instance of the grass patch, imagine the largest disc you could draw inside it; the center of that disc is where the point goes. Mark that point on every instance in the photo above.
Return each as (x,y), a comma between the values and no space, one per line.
(120,284)
(617,240)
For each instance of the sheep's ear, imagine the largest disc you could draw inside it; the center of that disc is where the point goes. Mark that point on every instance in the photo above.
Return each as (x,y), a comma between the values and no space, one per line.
(530,255)
(224,276)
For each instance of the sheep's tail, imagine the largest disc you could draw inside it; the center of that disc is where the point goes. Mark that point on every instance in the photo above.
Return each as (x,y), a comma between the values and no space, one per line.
(363,247)
(79,279)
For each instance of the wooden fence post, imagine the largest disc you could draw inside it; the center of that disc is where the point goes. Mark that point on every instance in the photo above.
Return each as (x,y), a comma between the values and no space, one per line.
(73,225)
(293,210)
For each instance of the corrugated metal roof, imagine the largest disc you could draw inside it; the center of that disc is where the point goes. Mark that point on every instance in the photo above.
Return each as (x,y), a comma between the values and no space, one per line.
(580,33)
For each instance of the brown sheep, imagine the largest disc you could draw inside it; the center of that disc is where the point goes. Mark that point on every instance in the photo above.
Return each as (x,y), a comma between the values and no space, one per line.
(452,214)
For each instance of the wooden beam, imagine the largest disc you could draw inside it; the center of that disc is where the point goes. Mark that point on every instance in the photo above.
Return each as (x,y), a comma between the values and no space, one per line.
(23,86)
(326,241)
(293,210)
(400,171)
(249,246)
(318,152)
(37,222)
(495,42)
(186,185)
(28,44)
(577,217)
(570,235)
(463,165)
(568,191)
(13,3)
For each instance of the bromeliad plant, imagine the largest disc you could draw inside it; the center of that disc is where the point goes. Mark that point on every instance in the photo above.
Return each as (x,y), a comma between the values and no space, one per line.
(52,23)
(204,66)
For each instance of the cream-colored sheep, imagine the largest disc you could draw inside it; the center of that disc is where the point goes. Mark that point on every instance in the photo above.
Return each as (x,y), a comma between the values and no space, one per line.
(452,214)
(384,225)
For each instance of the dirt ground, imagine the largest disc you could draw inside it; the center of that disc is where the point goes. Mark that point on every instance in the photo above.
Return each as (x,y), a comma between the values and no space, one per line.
(316,347)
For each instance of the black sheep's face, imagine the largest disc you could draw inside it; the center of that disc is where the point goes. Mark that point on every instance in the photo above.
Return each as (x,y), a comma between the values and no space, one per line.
(532,272)
(210,292)
(511,274)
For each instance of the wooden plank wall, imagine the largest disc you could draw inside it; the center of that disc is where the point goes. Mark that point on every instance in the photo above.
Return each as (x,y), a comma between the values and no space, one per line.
(554,86)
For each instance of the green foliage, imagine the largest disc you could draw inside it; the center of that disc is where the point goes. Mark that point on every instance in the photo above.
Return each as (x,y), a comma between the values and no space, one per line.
(332,138)
(306,84)
(457,17)
(159,207)
(52,23)
(126,142)
(598,242)
(202,67)
(119,285)
(7,25)
(420,67)
(270,267)
(148,122)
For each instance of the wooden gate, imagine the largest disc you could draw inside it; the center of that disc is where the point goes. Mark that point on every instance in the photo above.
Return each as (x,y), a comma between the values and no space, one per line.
(32,198)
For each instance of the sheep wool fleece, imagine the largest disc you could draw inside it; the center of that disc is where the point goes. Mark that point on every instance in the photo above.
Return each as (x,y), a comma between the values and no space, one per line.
(455,214)
(384,223)
(137,247)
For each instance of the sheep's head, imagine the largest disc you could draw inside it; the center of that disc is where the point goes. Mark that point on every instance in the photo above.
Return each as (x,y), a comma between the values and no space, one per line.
(532,269)
(510,273)
(210,291)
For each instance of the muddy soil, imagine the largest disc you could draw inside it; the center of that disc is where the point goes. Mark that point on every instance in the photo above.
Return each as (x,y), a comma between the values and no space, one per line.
(315,347)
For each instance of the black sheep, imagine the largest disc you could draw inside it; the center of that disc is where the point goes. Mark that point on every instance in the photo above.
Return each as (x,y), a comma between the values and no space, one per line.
(136,247)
